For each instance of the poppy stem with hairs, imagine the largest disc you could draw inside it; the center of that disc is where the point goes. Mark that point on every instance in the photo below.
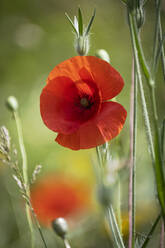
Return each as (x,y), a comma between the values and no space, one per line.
(155,149)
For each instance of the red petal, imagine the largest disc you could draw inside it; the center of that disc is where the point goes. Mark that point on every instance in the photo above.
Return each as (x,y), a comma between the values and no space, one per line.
(102,73)
(56,102)
(107,125)
(61,107)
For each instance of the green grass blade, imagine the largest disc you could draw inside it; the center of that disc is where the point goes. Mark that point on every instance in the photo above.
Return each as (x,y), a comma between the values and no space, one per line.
(163,138)
(118,240)
(80,22)
(71,23)
(90,23)
(147,239)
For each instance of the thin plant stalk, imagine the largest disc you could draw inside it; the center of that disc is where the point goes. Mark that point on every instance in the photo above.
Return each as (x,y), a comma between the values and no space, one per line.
(100,163)
(117,238)
(25,175)
(15,210)
(149,235)
(162,240)
(155,149)
(109,213)
(119,205)
(139,77)
(38,225)
(156,35)
(162,48)
(158,27)
(29,207)
(114,238)
(132,175)
(66,243)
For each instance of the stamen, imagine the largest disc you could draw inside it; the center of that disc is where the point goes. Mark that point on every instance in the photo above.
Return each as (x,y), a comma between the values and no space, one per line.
(84,102)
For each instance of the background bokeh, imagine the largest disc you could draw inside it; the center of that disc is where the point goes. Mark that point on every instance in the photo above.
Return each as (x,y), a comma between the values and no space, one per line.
(35,36)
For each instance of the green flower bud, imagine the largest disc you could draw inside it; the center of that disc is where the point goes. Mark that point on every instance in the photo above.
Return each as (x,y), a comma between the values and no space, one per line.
(60,227)
(82,45)
(12,103)
(102,54)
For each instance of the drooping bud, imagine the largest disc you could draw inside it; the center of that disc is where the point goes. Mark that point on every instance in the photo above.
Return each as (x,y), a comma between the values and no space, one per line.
(102,54)
(60,227)
(12,103)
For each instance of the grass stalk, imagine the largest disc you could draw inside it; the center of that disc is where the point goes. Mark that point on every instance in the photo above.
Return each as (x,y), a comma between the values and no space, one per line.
(25,173)
(29,208)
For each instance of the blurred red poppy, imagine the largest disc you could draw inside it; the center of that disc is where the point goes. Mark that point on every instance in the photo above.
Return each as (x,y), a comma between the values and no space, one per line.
(75,103)
(58,196)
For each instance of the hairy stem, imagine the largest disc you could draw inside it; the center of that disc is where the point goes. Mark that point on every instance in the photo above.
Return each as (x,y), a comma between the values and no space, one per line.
(25,174)
(155,149)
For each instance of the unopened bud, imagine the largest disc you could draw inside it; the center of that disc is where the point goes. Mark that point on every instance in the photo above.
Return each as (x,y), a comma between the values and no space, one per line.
(102,54)
(60,227)
(82,45)
(12,103)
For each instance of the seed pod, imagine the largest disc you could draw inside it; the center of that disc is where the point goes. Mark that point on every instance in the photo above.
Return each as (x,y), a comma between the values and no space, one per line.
(12,103)
(60,227)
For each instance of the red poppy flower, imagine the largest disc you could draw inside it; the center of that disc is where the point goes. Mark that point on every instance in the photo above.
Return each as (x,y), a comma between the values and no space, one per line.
(57,196)
(75,103)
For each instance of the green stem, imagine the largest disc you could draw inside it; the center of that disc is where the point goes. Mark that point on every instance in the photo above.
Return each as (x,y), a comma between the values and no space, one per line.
(162,48)
(163,139)
(119,206)
(139,77)
(38,225)
(139,49)
(100,162)
(117,238)
(158,27)
(66,243)
(156,36)
(110,216)
(158,156)
(148,237)
(25,174)
(155,150)
(132,180)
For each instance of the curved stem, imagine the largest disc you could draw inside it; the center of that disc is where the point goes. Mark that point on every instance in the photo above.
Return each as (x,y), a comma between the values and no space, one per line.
(24,170)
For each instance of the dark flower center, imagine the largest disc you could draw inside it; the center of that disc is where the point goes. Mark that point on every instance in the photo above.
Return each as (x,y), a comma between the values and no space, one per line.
(84,102)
